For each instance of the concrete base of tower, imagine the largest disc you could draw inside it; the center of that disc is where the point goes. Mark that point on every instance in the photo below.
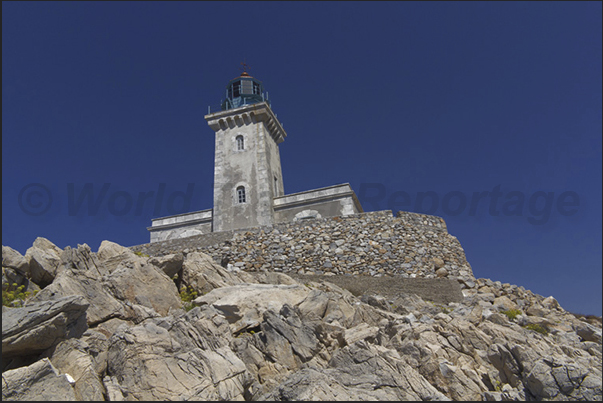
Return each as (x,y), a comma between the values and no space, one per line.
(331,201)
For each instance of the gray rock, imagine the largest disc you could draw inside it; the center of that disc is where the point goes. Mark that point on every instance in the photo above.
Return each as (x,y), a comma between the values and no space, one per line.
(148,362)
(81,274)
(145,285)
(260,334)
(358,372)
(39,381)
(14,260)
(44,259)
(114,392)
(314,306)
(588,332)
(505,363)
(35,327)
(203,274)
(360,332)
(108,249)
(70,357)
(170,264)
(442,272)
(540,381)
(288,324)
(111,255)
(243,305)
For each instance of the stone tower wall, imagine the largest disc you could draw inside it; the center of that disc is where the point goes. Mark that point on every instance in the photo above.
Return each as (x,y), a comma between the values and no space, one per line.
(256,167)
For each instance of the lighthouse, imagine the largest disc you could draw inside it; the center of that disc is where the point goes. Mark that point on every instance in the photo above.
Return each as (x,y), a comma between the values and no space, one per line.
(248,189)
(247,163)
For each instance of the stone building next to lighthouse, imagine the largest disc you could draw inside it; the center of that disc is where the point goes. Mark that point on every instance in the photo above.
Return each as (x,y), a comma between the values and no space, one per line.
(248,180)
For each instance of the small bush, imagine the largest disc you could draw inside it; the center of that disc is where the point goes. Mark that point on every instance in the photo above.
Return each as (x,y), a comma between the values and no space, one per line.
(14,296)
(537,328)
(512,313)
(187,295)
(141,254)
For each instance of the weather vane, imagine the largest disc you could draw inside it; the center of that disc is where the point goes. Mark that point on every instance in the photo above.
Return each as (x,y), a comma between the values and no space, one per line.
(245,66)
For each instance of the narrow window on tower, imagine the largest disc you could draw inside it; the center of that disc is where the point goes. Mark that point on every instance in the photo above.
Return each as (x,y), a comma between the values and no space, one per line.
(241,194)
(275,186)
(240,143)
(236,89)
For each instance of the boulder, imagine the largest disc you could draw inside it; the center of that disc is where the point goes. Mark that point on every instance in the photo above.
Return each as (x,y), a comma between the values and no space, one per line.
(502,359)
(145,285)
(14,260)
(148,362)
(37,326)
(203,274)
(39,381)
(243,305)
(314,306)
(44,259)
(360,332)
(361,371)
(114,392)
(550,303)
(169,264)
(81,274)
(588,332)
(71,357)
(504,303)
(540,381)
(108,249)
(288,325)
(265,277)
(111,255)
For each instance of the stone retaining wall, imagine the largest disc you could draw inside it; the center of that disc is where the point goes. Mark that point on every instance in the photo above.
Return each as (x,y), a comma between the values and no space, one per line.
(440,290)
(368,244)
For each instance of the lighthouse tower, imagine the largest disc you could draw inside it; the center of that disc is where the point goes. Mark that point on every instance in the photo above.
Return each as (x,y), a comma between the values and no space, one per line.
(248,182)
(247,165)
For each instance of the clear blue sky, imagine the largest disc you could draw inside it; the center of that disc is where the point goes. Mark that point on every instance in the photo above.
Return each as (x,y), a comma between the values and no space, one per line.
(449,98)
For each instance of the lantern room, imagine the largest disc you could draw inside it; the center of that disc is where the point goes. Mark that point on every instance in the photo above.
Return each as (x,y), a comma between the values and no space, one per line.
(244,90)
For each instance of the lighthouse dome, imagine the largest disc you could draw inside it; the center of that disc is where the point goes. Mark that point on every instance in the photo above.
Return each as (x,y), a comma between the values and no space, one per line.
(244,90)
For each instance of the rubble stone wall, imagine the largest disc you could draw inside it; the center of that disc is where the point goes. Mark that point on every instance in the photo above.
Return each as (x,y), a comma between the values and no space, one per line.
(373,244)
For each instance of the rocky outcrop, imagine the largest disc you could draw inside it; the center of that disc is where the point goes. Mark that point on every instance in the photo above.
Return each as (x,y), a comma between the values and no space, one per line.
(38,326)
(116,283)
(14,260)
(44,258)
(361,371)
(243,305)
(203,274)
(111,326)
(160,360)
(82,274)
(39,381)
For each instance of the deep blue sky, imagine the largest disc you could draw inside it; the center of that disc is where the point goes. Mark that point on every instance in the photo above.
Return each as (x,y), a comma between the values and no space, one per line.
(390,97)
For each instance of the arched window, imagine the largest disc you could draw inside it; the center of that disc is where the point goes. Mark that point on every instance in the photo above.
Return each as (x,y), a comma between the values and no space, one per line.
(240,143)
(241,194)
